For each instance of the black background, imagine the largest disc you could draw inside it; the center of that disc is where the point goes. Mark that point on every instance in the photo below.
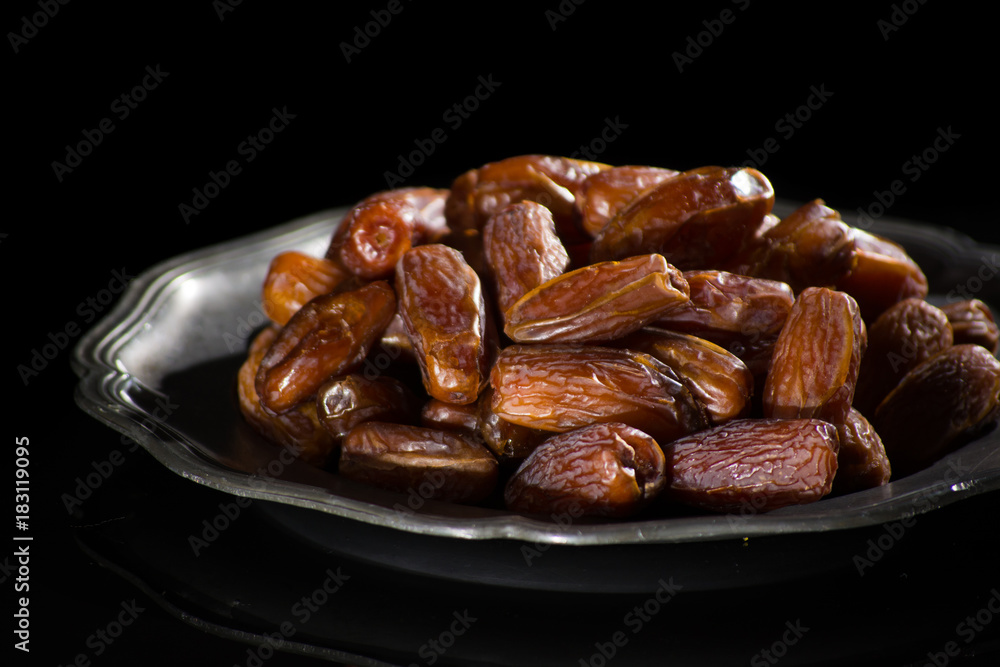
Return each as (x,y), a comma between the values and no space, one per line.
(890,93)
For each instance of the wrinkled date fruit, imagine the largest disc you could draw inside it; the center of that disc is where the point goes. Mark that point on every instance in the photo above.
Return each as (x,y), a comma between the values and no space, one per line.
(330,335)
(604,194)
(605,470)
(972,322)
(441,303)
(810,247)
(740,313)
(817,358)
(717,379)
(293,279)
(434,464)
(299,430)
(937,406)
(903,336)
(883,275)
(565,387)
(346,401)
(451,416)
(753,465)
(597,303)
(698,219)
(377,231)
(522,250)
(862,462)
(508,441)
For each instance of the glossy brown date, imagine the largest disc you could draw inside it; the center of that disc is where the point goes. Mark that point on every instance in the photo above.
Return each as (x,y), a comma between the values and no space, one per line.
(293,279)
(904,335)
(433,463)
(451,416)
(603,470)
(740,313)
(299,429)
(717,379)
(344,402)
(817,358)
(937,406)
(753,465)
(330,335)
(862,462)
(883,274)
(508,441)
(442,307)
(598,303)
(522,250)
(697,219)
(604,194)
(972,322)
(564,387)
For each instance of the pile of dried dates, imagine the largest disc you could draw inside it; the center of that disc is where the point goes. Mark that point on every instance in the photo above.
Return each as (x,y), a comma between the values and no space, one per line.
(555,335)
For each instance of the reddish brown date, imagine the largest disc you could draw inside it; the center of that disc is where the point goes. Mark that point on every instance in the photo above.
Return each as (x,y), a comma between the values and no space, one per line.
(604,470)
(330,335)
(883,275)
(564,387)
(817,358)
(717,379)
(740,313)
(753,465)
(972,322)
(293,279)
(435,464)
(940,404)
(862,462)
(442,307)
(604,194)
(598,303)
(508,441)
(697,220)
(450,416)
(299,429)
(522,250)
(812,246)
(903,336)
(376,232)
(346,401)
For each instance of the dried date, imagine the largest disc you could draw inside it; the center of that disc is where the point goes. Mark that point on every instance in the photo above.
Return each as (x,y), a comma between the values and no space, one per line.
(604,194)
(883,274)
(862,462)
(972,322)
(293,279)
(346,401)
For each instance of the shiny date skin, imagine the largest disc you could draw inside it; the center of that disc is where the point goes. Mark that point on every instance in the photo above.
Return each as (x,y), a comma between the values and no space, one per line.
(817,358)
(939,405)
(299,429)
(293,279)
(904,335)
(598,303)
(862,462)
(522,250)
(883,274)
(330,335)
(972,322)
(344,402)
(717,379)
(604,194)
(753,464)
(442,465)
(564,387)
(444,312)
(603,470)
(508,441)
(697,219)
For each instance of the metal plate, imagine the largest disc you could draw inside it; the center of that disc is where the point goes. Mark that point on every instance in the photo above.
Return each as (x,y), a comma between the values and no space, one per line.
(161,369)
